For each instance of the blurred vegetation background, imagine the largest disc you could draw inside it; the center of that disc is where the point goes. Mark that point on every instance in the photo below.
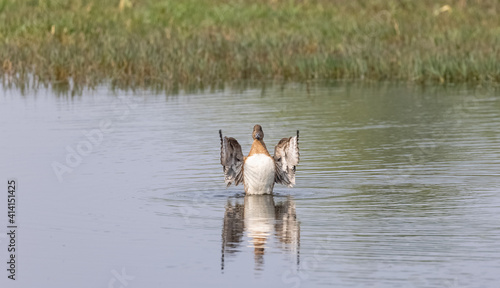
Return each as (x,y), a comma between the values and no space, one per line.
(204,42)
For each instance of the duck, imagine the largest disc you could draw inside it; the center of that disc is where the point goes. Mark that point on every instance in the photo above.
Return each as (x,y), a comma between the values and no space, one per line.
(259,171)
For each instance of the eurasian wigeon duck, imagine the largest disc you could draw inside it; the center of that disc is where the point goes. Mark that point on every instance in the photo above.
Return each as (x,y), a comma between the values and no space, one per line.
(259,170)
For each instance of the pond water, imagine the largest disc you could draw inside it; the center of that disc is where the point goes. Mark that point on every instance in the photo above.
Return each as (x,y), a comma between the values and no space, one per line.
(398,186)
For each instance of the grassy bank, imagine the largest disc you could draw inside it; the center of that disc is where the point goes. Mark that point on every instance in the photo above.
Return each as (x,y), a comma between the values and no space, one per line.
(177,43)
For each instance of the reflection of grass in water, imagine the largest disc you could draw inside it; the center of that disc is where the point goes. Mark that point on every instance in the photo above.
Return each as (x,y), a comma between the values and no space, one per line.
(190,43)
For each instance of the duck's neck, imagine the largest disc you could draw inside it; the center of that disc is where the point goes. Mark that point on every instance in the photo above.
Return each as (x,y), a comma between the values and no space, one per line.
(258,147)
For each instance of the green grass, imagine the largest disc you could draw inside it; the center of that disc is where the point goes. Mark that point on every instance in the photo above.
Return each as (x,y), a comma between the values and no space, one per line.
(175,43)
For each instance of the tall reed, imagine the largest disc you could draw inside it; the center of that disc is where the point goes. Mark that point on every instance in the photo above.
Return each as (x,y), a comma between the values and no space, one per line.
(197,42)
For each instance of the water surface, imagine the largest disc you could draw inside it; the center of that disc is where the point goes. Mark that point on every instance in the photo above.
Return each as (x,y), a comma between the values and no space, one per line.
(397,187)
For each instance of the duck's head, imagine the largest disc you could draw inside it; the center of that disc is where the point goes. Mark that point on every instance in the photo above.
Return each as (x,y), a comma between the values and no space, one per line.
(257,134)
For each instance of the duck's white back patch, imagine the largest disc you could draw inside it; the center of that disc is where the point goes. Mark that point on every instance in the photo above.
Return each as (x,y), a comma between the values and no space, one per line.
(258,174)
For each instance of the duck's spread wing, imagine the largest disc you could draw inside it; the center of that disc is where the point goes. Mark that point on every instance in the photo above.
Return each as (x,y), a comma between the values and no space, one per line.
(286,157)
(231,159)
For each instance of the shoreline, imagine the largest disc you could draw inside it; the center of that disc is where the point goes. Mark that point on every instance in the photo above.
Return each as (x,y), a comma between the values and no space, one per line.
(173,45)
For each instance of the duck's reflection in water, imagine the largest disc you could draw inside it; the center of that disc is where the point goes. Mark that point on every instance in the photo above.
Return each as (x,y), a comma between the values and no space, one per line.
(257,218)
